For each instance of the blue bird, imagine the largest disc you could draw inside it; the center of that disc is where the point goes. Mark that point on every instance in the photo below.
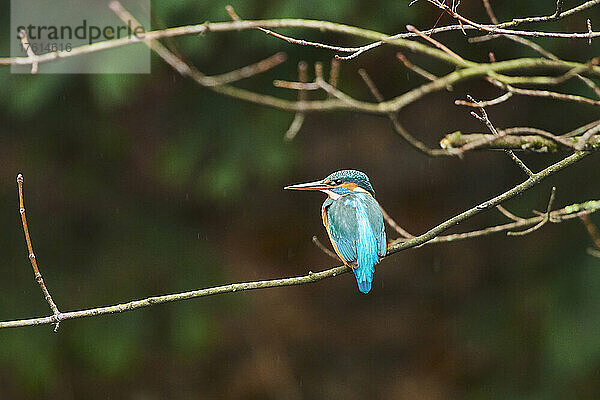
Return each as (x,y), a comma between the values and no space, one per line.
(353,220)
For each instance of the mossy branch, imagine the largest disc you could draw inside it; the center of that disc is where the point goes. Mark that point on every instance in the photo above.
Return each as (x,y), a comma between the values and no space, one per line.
(529,143)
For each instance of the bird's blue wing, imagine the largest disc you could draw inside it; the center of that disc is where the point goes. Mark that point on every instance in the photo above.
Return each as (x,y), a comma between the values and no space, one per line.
(341,227)
(355,226)
(375,217)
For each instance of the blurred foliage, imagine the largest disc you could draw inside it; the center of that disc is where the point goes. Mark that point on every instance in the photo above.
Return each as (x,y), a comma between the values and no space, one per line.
(138,185)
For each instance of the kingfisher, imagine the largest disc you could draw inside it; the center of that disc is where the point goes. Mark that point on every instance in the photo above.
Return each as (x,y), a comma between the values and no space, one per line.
(353,220)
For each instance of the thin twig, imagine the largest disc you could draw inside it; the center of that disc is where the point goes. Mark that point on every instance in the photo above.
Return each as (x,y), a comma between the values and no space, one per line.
(545,93)
(545,218)
(301,86)
(592,230)
(334,73)
(415,68)
(490,12)
(234,16)
(29,50)
(463,27)
(434,42)
(582,129)
(508,214)
(485,103)
(32,259)
(499,28)
(585,138)
(299,117)
(538,49)
(556,216)
(398,127)
(190,71)
(247,71)
(394,225)
(485,119)
(324,249)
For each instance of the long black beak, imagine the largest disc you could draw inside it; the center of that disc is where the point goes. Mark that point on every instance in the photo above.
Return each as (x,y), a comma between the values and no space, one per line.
(316,185)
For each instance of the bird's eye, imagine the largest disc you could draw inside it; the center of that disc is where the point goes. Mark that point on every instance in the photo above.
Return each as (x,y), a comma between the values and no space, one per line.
(339,181)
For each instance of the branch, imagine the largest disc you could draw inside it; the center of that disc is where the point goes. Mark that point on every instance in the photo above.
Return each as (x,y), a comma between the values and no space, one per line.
(470,71)
(418,70)
(398,127)
(394,247)
(462,27)
(32,259)
(30,54)
(394,225)
(545,93)
(588,137)
(592,230)
(545,218)
(485,119)
(531,143)
(500,28)
(324,249)
(399,245)
(299,117)
(556,216)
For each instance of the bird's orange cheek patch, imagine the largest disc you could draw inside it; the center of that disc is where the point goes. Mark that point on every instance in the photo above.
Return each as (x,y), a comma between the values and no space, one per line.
(349,185)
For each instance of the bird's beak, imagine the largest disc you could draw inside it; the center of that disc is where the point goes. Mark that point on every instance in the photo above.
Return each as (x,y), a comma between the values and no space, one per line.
(316,185)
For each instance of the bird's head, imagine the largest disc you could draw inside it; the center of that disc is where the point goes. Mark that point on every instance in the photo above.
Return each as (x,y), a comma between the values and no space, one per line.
(339,183)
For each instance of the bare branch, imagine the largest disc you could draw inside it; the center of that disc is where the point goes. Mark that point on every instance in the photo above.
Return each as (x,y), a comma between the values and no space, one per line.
(490,12)
(556,16)
(394,225)
(546,93)
(346,103)
(545,218)
(324,249)
(299,117)
(556,216)
(234,16)
(538,49)
(334,73)
(398,128)
(508,214)
(582,129)
(484,118)
(33,260)
(592,230)
(301,86)
(485,103)
(434,42)
(30,54)
(500,28)
(587,137)
(418,70)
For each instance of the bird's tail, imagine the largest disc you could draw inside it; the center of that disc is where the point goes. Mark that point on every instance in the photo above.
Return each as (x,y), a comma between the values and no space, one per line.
(366,248)
(364,278)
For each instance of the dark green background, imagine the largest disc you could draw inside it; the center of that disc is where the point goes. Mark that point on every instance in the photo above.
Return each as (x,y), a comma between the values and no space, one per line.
(138,185)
